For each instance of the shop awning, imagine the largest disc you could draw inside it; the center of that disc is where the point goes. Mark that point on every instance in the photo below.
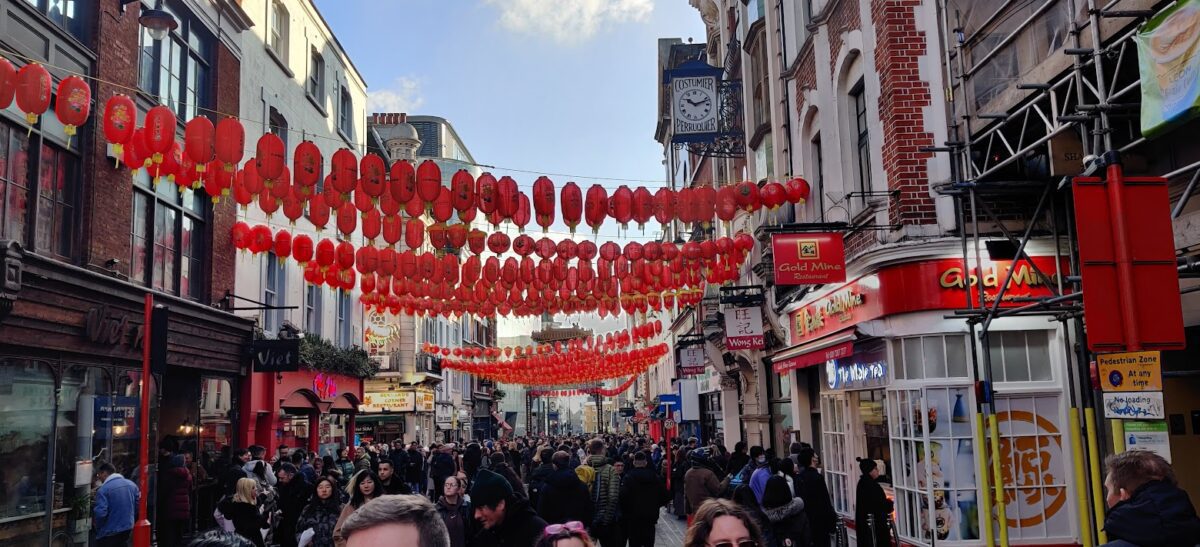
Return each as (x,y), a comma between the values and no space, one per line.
(834,346)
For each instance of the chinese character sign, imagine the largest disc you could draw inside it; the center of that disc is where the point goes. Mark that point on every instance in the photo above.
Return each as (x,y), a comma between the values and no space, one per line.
(691,361)
(744,328)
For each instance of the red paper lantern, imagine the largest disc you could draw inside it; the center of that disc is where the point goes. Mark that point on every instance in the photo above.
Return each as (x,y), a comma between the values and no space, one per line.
(498,242)
(199,144)
(572,205)
(302,249)
(366,259)
(508,197)
(261,239)
(415,207)
(773,195)
(705,203)
(743,242)
(306,167)
(393,229)
(120,119)
(437,236)
(523,245)
(8,82)
(521,218)
(230,143)
(485,193)
(344,175)
(543,202)
(33,91)
(476,240)
(283,244)
(414,234)
(797,190)
(268,158)
(664,205)
(643,206)
(372,225)
(73,104)
(429,181)
(403,181)
(462,188)
(241,235)
(457,234)
(326,253)
(159,131)
(373,172)
(596,206)
(345,255)
(620,205)
(347,219)
(443,205)
(747,196)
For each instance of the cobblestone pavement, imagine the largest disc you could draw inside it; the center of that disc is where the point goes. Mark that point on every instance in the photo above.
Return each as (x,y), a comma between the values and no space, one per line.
(669,532)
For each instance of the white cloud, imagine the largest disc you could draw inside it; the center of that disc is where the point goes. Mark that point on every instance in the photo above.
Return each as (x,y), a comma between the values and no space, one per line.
(404,95)
(569,21)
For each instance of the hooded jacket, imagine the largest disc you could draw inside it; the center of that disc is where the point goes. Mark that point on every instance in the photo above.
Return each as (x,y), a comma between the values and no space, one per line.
(246,519)
(789,525)
(320,515)
(249,469)
(810,486)
(871,502)
(537,482)
(521,527)
(565,498)
(1157,515)
(459,519)
(699,484)
(177,492)
(642,494)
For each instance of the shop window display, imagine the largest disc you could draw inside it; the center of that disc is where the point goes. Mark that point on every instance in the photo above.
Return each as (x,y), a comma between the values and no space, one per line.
(26,418)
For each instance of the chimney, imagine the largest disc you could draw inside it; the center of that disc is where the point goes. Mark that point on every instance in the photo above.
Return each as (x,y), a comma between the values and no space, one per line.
(403,117)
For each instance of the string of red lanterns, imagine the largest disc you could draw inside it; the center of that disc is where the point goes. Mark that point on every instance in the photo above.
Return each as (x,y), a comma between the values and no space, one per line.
(603,392)
(32,86)
(606,342)
(568,367)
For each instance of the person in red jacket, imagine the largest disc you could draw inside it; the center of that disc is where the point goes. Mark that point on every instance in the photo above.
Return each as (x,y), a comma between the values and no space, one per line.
(176,511)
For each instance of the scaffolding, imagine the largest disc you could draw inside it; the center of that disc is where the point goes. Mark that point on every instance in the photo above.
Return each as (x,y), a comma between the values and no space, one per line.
(1039,92)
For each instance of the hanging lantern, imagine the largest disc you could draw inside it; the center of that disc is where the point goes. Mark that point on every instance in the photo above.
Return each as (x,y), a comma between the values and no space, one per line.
(8,83)
(241,235)
(344,175)
(387,261)
(302,249)
(120,119)
(747,196)
(743,242)
(159,132)
(462,187)
(261,239)
(415,207)
(485,193)
(620,205)
(773,195)
(643,206)
(521,218)
(366,259)
(217,182)
(403,181)
(283,245)
(476,241)
(443,205)
(429,182)
(326,253)
(437,236)
(306,167)
(230,143)
(705,203)
(797,191)
(268,158)
(393,229)
(33,91)
(373,172)
(73,104)
(345,255)
(372,224)
(414,233)
(498,242)
(664,205)
(567,249)
(347,219)
(523,245)
(543,202)
(596,207)
(508,197)
(199,141)
(457,235)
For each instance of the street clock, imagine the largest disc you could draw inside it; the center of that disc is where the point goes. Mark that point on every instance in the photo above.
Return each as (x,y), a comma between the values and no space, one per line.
(694,105)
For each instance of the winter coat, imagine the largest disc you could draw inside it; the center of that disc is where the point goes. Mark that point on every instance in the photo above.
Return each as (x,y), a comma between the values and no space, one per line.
(506,471)
(362,462)
(606,491)
(642,494)
(399,459)
(116,506)
(441,465)
(229,477)
(871,501)
(415,465)
(292,498)
(472,460)
(321,516)
(521,528)
(394,486)
(270,473)
(177,493)
(537,482)
(459,519)
(347,468)
(565,498)
(699,484)
(246,520)
(1157,515)
(811,488)
(737,461)
(789,525)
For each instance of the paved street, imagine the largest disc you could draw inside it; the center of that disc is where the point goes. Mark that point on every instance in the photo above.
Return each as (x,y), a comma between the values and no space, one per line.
(670,530)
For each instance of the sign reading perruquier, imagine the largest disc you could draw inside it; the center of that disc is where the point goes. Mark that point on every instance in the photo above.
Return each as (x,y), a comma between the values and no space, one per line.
(744,328)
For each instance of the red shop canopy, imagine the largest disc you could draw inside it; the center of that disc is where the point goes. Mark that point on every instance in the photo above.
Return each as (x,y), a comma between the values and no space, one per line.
(837,346)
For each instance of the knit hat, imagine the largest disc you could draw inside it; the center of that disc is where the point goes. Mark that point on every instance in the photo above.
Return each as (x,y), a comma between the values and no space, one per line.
(777,494)
(489,489)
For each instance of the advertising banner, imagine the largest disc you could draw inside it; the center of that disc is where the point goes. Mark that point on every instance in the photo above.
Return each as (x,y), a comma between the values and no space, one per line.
(393,401)
(809,259)
(744,328)
(1170,67)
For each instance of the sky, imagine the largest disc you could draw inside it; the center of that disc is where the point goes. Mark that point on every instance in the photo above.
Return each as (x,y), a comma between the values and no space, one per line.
(556,87)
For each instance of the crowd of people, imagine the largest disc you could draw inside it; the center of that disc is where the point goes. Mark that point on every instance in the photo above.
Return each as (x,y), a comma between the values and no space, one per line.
(560,492)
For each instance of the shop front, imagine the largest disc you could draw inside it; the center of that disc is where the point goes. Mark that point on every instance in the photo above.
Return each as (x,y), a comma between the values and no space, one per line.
(70,393)
(894,383)
(307,409)
(398,411)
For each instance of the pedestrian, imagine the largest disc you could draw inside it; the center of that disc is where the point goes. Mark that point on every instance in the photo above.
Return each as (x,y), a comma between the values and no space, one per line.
(643,494)
(441,465)
(539,474)
(243,511)
(300,460)
(399,457)
(758,460)
(364,487)
(256,457)
(176,497)
(725,523)
(345,465)
(501,467)
(114,508)
(811,488)
(331,469)
(738,459)
(787,470)
(362,459)
(292,495)
(456,512)
(699,482)
(1146,506)
(606,492)
(472,460)
(872,507)
(785,514)
(321,514)
(267,497)
(570,534)
(414,474)
(389,483)
(220,538)
(233,471)
(396,520)
(507,520)
(564,498)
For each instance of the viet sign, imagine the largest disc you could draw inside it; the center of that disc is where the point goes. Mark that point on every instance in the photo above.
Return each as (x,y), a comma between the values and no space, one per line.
(1130,371)
(275,355)
(1168,60)
(1135,406)
(691,361)
(809,258)
(744,328)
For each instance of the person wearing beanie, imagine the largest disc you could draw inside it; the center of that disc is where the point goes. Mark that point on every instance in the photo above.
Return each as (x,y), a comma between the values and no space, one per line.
(871,508)
(699,483)
(785,514)
(507,519)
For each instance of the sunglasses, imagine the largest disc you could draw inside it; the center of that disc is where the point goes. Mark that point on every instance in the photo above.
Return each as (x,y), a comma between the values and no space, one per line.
(572,526)
(743,543)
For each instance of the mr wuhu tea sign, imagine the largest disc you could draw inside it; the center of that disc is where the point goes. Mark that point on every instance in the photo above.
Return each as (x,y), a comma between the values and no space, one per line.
(809,258)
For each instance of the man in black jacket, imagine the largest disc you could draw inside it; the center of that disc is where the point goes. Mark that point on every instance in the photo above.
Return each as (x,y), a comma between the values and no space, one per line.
(389,483)
(231,474)
(565,498)
(1146,506)
(538,475)
(294,493)
(738,459)
(507,520)
(414,475)
(810,486)
(642,495)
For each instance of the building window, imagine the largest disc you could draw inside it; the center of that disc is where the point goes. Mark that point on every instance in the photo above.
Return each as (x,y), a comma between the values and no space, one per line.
(279,126)
(344,317)
(762,79)
(274,292)
(167,237)
(312,309)
(316,77)
(177,69)
(817,175)
(1020,356)
(346,114)
(67,15)
(858,99)
(38,209)
(834,414)
(921,357)
(277,38)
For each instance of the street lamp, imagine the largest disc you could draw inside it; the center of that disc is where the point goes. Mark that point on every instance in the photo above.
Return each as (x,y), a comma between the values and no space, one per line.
(158,22)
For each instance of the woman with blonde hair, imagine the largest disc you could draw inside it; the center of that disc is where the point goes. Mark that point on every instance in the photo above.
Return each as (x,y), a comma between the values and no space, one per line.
(242,509)
(723,523)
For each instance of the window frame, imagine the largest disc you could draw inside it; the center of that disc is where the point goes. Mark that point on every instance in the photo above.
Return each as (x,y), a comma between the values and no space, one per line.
(313,308)
(862,140)
(345,316)
(346,114)
(315,84)
(197,46)
(278,27)
(156,198)
(278,124)
(36,142)
(274,292)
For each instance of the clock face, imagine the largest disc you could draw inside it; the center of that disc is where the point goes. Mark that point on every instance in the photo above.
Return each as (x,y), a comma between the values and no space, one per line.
(694,105)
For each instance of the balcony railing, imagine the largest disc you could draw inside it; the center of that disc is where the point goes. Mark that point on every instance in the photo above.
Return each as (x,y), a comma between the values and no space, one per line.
(429,364)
